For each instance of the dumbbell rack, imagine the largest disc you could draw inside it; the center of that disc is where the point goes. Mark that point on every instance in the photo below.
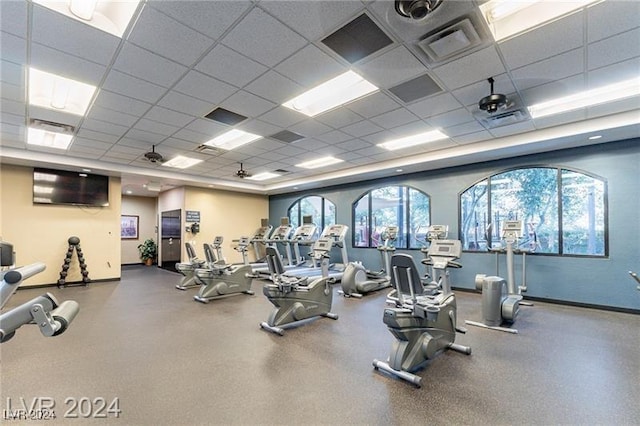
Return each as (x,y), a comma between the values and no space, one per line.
(74,247)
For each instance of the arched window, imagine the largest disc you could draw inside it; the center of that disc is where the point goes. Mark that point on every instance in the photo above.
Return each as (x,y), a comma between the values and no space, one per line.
(396,205)
(319,208)
(564,212)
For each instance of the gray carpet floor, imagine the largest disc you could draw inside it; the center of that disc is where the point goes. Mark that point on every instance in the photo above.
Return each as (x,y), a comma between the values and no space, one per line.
(169,360)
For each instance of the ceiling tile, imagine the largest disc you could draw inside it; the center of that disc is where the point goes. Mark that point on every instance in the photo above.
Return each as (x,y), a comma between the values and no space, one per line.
(13,119)
(104,127)
(617,72)
(13,17)
(79,39)
(185,104)
(145,136)
(121,103)
(463,129)
(361,128)
(392,67)
(275,87)
(314,20)
(133,87)
(434,105)
(281,116)
(335,136)
(373,104)
(12,107)
(191,136)
(554,89)
(310,127)
(541,43)
(169,38)
(247,104)
(555,68)
(353,145)
(12,92)
(269,144)
(310,66)
(13,48)
(451,118)
(164,115)
(206,127)
(614,49)
(97,145)
(394,118)
(204,87)
(338,117)
(98,136)
(141,63)
(230,67)
(258,127)
(211,18)
(310,144)
(12,73)
(179,144)
(155,127)
(605,19)
(263,38)
(469,69)
(472,138)
(525,126)
(56,62)
(98,112)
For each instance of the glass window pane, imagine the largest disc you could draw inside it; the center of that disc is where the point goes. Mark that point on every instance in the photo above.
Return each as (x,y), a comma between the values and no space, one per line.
(388,206)
(329,213)
(361,222)
(293,213)
(529,195)
(312,206)
(419,218)
(474,223)
(583,219)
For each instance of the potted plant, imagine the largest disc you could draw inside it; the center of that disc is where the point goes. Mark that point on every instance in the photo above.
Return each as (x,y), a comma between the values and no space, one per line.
(148,251)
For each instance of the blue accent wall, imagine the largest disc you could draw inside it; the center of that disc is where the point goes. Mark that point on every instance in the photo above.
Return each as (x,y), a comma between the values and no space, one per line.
(593,281)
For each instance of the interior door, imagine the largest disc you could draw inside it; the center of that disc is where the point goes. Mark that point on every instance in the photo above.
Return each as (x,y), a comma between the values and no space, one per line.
(170,240)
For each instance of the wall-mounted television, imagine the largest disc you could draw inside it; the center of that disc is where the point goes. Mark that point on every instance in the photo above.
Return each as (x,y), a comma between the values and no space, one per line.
(72,188)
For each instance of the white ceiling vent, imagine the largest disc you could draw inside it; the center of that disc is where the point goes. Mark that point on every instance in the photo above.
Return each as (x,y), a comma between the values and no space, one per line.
(50,126)
(451,41)
(206,149)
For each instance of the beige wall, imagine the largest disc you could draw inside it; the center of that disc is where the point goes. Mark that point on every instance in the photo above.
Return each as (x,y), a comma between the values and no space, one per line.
(39,233)
(228,214)
(146,210)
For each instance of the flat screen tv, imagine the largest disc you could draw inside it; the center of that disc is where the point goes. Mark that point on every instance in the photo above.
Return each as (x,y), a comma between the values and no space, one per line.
(72,188)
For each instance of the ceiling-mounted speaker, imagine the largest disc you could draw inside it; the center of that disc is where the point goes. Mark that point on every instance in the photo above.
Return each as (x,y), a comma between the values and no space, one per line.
(492,102)
(416,9)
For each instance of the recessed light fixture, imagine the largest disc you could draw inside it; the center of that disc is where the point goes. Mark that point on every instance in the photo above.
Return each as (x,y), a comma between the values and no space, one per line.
(320,162)
(331,94)
(181,162)
(86,170)
(601,95)
(48,139)
(399,170)
(128,191)
(52,91)
(264,176)
(594,137)
(507,18)
(413,140)
(232,139)
(111,16)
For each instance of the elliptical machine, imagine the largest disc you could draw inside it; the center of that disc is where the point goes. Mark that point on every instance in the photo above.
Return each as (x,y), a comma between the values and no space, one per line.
(219,279)
(356,280)
(187,269)
(423,326)
(501,300)
(51,317)
(430,282)
(297,299)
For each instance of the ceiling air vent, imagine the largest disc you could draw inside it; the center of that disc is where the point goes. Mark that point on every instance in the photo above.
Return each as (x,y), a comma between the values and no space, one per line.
(450,42)
(50,126)
(287,136)
(206,149)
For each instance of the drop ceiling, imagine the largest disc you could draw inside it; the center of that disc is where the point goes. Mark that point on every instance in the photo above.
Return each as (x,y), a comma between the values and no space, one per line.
(180,60)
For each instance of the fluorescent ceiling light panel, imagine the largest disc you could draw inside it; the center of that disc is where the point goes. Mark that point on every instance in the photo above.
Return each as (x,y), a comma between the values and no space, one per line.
(47,139)
(111,16)
(181,162)
(320,162)
(609,93)
(338,91)
(264,176)
(507,18)
(52,91)
(414,140)
(232,139)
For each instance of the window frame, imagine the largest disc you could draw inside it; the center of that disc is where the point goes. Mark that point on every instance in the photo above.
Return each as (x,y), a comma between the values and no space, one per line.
(323,206)
(404,210)
(559,187)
